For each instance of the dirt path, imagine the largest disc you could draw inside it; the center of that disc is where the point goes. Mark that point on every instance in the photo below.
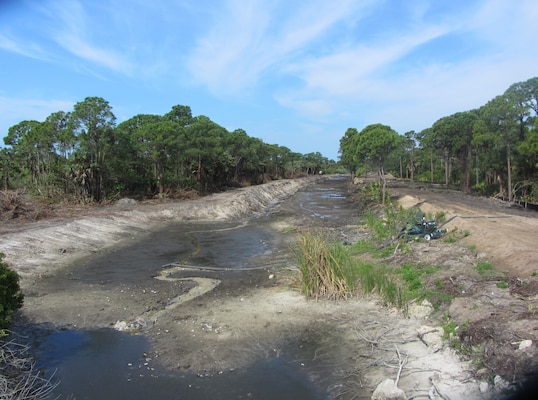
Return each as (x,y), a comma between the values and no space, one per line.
(347,348)
(507,236)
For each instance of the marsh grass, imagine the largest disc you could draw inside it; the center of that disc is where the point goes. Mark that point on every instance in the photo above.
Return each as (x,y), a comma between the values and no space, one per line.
(326,267)
(329,271)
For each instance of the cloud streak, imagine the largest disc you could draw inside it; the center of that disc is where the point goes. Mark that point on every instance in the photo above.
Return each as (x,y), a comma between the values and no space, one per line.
(73,34)
(31,50)
(275,67)
(249,39)
(379,80)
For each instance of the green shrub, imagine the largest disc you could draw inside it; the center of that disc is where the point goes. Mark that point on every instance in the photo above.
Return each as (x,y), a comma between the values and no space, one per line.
(373,193)
(440,217)
(11,297)
(394,219)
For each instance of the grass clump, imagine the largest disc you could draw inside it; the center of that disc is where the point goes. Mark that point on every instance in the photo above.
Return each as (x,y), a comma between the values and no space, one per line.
(378,279)
(363,246)
(484,268)
(326,267)
(328,270)
(414,276)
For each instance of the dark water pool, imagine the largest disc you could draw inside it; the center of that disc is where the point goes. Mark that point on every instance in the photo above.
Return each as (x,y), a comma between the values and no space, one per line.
(107,364)
(216,245)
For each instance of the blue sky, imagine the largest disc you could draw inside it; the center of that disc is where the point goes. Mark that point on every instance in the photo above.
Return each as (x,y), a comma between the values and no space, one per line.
(296,73)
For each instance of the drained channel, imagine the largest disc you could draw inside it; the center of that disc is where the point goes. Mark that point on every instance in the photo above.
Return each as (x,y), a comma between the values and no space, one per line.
(129,316)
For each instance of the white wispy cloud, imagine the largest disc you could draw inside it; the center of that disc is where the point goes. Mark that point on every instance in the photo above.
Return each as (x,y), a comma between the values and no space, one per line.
(348,72)
(249,38)
(31,50)
(361,78)
(73,32)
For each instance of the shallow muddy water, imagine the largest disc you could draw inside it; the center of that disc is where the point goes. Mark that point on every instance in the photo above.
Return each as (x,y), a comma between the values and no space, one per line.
(107,364)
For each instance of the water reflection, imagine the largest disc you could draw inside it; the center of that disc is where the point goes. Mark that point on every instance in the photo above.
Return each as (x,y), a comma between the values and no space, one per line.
(106,364)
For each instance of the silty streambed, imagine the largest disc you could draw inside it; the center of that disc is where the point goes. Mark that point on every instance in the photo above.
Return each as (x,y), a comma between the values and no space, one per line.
(106,363)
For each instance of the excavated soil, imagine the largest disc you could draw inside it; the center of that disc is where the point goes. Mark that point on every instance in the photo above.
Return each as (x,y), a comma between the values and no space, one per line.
(227,321)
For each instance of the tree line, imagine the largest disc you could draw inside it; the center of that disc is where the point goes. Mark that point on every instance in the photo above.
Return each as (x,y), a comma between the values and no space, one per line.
(84,155)
(491,150)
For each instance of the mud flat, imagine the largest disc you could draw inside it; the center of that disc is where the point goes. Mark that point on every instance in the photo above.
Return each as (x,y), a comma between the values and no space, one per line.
(39,248)
(346,348)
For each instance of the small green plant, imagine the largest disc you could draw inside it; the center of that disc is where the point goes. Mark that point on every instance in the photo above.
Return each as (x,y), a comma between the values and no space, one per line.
(385,251)
(484,268)
(472,248)
(411,276)
(11,297)
(391,223)
(502,285)
(373,193)
(439,284)
(437,298)
(535,273)
(450,238)
(440,217)
(453,333)
(450,329)
(376,224)
(532,309)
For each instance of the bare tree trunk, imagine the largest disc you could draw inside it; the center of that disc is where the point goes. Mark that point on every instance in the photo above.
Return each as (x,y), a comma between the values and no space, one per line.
(447,169)
(412,164)
(467,164)
(383,180)
(431,167)
(199,173)
(477,171)
(509,166)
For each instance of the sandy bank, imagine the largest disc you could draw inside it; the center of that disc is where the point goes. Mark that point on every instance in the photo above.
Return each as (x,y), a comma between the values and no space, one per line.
(35,249)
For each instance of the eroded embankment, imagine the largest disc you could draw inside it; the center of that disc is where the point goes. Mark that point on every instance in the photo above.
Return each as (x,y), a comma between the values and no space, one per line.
(41,247)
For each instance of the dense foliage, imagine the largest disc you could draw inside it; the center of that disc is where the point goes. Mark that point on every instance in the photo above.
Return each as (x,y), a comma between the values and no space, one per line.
(84,155)
(491,150)
(11,297)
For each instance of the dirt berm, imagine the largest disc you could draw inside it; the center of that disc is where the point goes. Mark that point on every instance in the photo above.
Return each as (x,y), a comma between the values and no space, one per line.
(347,347)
